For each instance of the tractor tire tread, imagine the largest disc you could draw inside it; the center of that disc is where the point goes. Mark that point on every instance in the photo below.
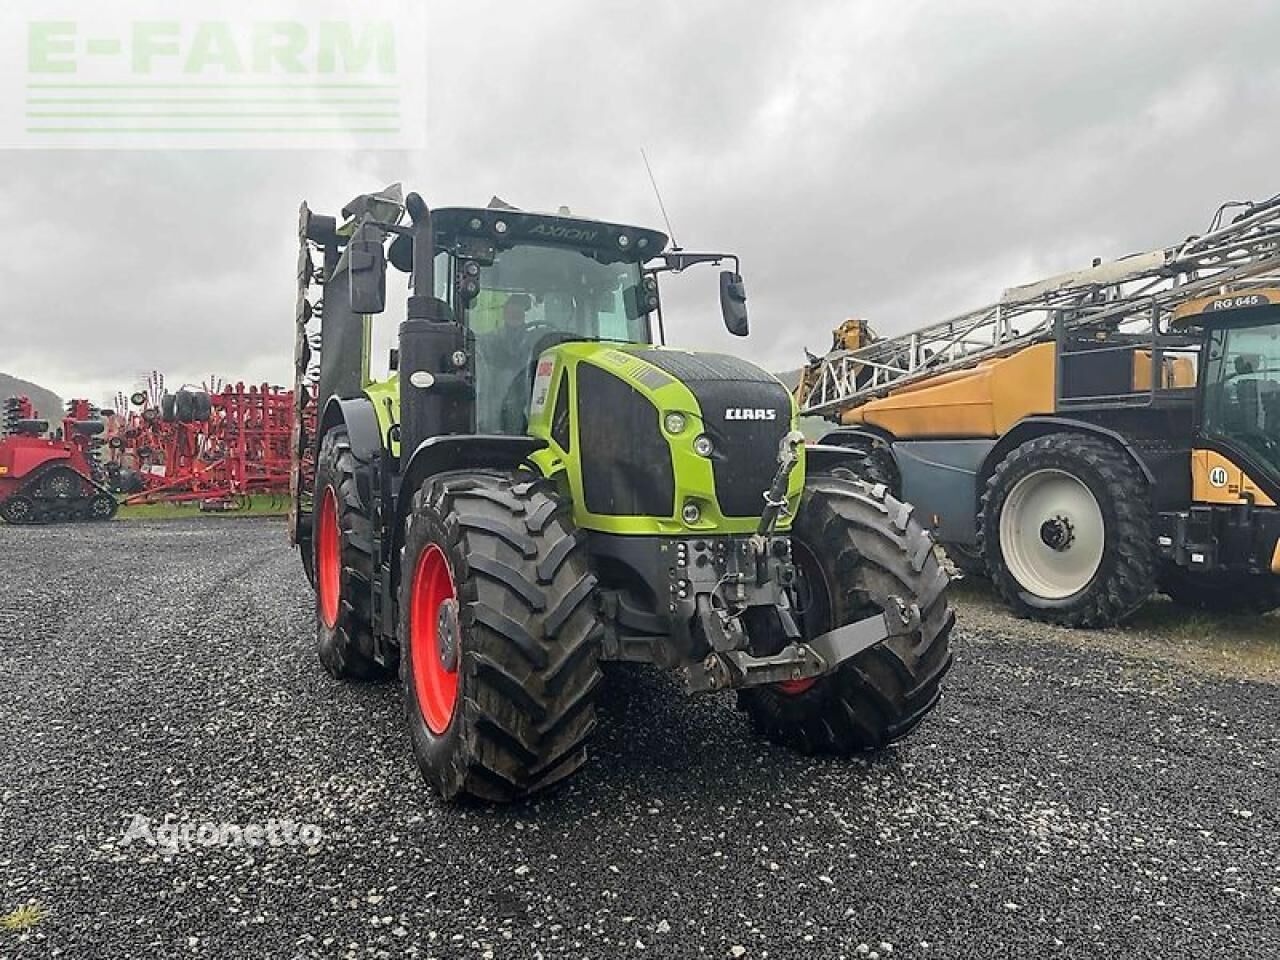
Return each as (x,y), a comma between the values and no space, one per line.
(530,654)
(876,549)
(346,650)
(1127,575)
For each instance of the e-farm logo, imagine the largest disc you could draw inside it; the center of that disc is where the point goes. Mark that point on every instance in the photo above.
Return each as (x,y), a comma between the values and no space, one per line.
(269,74)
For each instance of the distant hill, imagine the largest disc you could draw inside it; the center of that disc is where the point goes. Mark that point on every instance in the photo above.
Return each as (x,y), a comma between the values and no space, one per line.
(47,403)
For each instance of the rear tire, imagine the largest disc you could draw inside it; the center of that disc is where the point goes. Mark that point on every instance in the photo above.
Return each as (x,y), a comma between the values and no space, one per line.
(968,560)
(499,636)
(306,552)
(861,547)
(342,544)
(879,466)
(1216,592)
(1066,531)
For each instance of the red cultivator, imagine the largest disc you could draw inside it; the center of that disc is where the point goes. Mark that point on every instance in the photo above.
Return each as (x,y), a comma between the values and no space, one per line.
(52,479)
(201,445)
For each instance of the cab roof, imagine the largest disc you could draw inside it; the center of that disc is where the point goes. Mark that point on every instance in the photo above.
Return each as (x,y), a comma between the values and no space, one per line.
(1205,310)
(481,232)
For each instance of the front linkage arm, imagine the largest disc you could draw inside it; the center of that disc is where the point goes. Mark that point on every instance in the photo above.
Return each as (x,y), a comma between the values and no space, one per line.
(727,667)
(730,669)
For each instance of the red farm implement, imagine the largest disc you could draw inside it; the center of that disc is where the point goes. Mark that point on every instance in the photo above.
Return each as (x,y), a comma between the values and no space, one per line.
(51,479)
(201,445)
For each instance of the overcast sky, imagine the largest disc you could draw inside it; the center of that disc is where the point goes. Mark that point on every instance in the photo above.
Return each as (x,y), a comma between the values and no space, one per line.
(895,160)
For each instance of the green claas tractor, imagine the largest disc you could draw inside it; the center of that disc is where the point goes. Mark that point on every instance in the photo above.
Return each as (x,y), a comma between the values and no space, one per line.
(540,486)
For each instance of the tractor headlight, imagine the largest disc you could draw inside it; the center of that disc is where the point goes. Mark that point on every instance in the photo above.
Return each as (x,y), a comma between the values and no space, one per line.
(674,422)
(690,513)
(703,446)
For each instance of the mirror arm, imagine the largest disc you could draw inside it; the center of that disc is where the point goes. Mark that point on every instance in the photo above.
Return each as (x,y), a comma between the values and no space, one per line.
(675,262)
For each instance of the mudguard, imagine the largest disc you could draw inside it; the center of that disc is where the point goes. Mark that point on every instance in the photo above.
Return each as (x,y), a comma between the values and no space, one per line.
(361,421)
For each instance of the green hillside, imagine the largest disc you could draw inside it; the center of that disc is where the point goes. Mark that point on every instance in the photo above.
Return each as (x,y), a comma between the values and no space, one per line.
(47,403)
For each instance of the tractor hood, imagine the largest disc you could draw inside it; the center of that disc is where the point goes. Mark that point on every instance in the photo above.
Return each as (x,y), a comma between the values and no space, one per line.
(654,440)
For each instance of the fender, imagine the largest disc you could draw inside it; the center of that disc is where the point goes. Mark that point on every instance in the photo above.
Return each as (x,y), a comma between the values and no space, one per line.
(1037,426)
(27,455)
(456,452)
(867,435)
(860,440)
(823,458)
(361,421)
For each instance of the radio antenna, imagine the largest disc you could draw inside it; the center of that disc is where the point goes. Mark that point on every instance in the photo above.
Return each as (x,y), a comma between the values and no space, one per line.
(675,245)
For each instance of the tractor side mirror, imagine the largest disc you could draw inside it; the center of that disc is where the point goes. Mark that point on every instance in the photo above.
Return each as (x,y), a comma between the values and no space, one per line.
(367,267)
(733,303)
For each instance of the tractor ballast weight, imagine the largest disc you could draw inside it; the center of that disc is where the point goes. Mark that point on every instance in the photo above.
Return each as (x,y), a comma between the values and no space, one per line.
(539,486)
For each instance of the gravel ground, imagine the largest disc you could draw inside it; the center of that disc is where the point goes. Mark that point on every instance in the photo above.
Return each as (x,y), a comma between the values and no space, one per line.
(1063,801)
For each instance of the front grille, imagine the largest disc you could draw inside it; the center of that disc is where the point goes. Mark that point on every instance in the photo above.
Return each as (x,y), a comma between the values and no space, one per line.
(747,450)
(626,461)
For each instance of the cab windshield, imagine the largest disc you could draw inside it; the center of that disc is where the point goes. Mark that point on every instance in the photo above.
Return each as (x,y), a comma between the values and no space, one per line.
(1242,390)
(531,298)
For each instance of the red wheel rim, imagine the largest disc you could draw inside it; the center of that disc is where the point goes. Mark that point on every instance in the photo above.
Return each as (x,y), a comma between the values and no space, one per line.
(328,559)
(434,600)
(809,565)
(793,687)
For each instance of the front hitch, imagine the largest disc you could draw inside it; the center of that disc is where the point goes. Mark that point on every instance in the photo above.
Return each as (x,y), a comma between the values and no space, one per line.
(734,669)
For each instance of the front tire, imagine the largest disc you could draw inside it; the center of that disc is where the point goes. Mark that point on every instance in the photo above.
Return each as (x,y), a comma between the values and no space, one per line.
(342,548)
(859,547)
(499,636)
(1066,531)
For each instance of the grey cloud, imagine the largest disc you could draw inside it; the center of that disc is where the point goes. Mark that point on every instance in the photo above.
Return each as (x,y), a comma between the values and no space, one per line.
(897,161)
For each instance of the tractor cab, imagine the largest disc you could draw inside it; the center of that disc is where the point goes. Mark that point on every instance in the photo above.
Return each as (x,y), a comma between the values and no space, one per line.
(521,283)
(1239,417)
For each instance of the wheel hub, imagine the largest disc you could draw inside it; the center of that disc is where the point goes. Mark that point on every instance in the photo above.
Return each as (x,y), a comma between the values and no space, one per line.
(1057,533)
(17,509)
(61,486)
(1052,533)
(447,635)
